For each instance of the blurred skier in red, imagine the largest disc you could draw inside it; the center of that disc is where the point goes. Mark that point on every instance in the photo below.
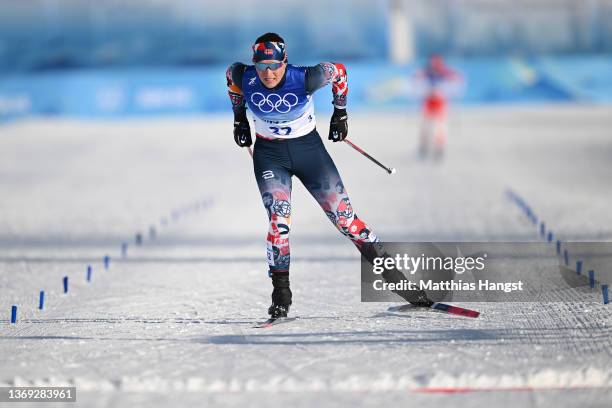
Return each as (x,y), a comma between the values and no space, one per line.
(435,78)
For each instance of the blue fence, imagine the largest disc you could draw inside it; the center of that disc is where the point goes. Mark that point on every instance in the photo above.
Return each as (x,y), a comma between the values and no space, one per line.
(117,93)
(133,92)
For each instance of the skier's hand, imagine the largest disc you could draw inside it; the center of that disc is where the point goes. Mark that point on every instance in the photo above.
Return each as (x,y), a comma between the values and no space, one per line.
(338,127)
(242,132)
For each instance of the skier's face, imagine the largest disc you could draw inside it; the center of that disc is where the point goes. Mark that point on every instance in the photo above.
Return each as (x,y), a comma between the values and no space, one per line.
(270,78)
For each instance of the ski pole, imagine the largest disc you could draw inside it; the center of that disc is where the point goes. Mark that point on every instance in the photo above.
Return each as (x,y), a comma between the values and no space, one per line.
(250,151)
(360,150)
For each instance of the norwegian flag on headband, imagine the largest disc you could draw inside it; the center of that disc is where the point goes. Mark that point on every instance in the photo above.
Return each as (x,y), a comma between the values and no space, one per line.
(268,51)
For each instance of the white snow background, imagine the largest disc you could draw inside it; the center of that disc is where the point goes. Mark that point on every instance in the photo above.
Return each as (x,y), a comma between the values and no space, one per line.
(172,322)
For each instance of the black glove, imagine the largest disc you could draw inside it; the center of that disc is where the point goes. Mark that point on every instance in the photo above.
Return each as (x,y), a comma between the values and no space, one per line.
(338,127)
(242,130)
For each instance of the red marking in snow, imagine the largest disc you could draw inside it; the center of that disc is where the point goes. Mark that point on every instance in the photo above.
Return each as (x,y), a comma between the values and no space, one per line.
(459,390)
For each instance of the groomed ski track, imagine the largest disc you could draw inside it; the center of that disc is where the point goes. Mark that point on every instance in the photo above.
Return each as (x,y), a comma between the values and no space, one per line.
(172,322)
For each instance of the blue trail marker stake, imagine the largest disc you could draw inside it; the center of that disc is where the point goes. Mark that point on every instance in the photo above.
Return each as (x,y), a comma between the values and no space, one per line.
(138,238)
(88,273)
(124,247)
(13,314)
(579,267)
(550,236)
(558,247)
(542,229)
(41,300)
(566,256)
(604,292)
(592,278)
(65,284)
(106,261)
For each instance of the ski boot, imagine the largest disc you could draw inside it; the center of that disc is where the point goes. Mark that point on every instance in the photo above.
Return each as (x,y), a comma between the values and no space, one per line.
(281,295)
(416,297)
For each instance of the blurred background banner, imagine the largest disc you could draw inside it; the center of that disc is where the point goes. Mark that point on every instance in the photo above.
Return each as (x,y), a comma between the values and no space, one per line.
(114,58)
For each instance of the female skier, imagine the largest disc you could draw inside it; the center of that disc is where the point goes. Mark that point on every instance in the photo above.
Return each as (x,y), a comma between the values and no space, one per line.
(279,96)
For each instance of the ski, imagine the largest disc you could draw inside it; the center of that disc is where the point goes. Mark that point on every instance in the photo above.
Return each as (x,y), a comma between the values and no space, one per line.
(443,307)
(273,322)
(461,311)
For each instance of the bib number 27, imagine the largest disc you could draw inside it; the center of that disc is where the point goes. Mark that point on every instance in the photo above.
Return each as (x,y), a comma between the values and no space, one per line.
(281,131)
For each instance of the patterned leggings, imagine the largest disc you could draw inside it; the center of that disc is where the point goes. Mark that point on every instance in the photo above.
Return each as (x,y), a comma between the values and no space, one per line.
(275,162)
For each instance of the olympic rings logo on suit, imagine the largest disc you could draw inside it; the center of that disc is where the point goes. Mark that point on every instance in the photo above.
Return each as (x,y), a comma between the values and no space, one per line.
(274,102)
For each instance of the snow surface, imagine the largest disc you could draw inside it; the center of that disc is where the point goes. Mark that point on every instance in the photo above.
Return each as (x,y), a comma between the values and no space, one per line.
(172,322)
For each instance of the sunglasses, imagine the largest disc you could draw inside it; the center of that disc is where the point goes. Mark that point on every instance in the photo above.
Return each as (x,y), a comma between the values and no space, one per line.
(261,66)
